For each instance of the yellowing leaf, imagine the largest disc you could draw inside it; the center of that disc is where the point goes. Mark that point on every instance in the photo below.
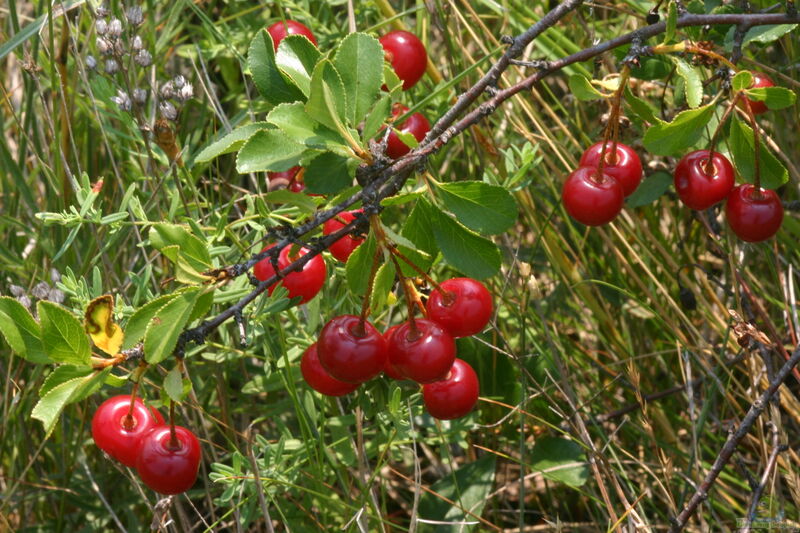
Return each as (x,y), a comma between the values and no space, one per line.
(99,324)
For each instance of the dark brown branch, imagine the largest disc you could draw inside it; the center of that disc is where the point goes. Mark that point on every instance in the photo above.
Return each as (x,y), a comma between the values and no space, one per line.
(701,494)
(777,448)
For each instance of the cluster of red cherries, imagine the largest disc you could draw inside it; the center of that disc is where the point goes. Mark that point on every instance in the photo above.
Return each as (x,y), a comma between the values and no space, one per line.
(166,457)
(407,55)
(594,194)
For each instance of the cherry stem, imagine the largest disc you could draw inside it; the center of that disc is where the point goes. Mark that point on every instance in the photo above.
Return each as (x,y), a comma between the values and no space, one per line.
(174,444)
(362,318)
(709,167)
(129,422)
(612,128)
(447,297)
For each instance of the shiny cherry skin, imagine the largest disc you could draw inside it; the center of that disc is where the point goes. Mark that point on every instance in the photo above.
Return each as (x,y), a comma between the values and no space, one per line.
(350,353)
(305,283)
(590,200)
(290,179)
(166,468)
(464,309)
(753,215)
(319,379)
(626,166)
(279,31)
(407,55)
(424,355)
(389,370)
(345,246)
(416,124)
(699,187)
(759,80)
(455,396)
(116,434)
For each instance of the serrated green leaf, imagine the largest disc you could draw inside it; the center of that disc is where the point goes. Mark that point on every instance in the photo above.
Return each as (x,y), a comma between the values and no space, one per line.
(377,117)
(51,404)
(270,150)
(672,22)
(742,148)
(650,189)
(742,80)
(166,326)
(583,89)
(62,374)
(296,58)
(641,108)
(328,174)
(189,253)
(63,337)
(487,209)
(561,460)
(327,102)
(692,82)
(21,331)
(418,229)
(268,79)
(293,120)
(463,249)
(138,322)
(670,138)
(393,83)
(230,142)
(359,60)
(384,280)
(173,384)
(359,265)
(773,97)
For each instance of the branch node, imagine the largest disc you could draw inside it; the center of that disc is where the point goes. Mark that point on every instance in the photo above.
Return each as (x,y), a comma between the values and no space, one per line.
(507,39)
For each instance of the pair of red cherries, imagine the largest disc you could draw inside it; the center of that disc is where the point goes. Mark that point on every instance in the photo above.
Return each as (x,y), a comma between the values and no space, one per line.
(138,437)
(350,351)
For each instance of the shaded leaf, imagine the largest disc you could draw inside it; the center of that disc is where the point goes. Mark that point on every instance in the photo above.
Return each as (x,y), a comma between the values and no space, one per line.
(328,174)
(488,209)
(268,79)
(21,331)
(692,82)
(359,265)
(742,148)
(138,322)
(230,142)
(583,89)
(166,326)
(560,460)
(296,58)
(650,189)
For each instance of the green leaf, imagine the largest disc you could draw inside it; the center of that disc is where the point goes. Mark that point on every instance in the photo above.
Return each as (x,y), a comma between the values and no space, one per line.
(327,102)
(774,97)
(650,68)
(384,280)
(21,331)
(377,117)
(62,374)
(138,322)
(487,209)
(359,60)
(583,89)
(63,336)
(173,385)
(692,81)
(268,79)
(641,108)
(560,460)
(296,58)
(742,148)
(468,487)
(742,80)
(418,228)
(328,174)
(189,253)
(269,150)
(230,142)
(759,34)
(285,196)
(359,265)
(51,404)
(166,326)
(650,189)
(671,138)
(672,22)
(293,120)
(463,249)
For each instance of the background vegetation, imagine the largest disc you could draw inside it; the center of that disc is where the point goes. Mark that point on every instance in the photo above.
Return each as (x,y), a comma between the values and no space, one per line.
(606,394)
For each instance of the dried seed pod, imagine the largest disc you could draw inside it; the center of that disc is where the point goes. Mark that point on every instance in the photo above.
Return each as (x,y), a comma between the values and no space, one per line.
(123,100)
(137,43)
(114,28)
(112,67)
(167,110)
(178,81)
(104,46)
(167,91)
(185,93)
(91,62)
(140,96)
(41,290)
(134,15)
(143,58)
(101,27)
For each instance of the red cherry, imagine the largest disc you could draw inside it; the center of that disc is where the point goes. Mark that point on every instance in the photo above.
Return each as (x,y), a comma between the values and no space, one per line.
(454,396)
(407,55)
(416,124)
(591,201)
(754,216)
(699,187)
(119,436)
(166,468)
(389,369)
(288,179)
(280,30)
(306,283)
(319,379)
(424,355)
(465,310)
(345,246)
(350,353)
(759,80)
(626,167)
